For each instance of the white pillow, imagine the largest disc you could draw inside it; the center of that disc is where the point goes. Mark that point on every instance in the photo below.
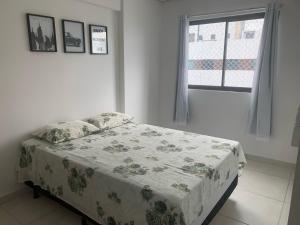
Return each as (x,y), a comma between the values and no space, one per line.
(65,131)
(109,120)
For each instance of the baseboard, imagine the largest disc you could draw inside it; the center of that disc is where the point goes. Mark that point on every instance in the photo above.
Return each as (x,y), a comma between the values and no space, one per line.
(23,190)
(268,160)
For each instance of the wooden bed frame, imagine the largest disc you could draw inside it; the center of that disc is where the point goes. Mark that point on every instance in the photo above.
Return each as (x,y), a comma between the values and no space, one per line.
(37,191)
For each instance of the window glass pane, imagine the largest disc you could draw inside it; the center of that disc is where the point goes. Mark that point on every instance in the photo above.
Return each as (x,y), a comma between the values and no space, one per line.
(206,54)
(242,50)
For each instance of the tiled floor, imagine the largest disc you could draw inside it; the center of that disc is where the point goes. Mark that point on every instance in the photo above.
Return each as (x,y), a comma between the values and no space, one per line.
(261,198)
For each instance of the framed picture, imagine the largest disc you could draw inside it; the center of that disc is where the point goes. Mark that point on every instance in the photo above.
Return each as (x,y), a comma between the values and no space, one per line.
(41,32)
(98,40)
(73,36)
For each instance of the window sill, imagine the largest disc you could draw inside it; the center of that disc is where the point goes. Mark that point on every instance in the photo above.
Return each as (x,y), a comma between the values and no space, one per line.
(216,88)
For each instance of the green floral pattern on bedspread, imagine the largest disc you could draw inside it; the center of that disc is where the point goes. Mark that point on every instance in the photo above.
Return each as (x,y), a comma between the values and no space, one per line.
(135,174)
(25,158)
(65,131)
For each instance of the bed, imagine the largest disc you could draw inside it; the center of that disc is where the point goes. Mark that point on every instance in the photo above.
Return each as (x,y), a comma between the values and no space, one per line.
(136,174)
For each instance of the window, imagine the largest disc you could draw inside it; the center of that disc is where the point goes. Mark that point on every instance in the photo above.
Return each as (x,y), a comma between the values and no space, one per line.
(228,62)
(213,37)
(249,34)
(192,37)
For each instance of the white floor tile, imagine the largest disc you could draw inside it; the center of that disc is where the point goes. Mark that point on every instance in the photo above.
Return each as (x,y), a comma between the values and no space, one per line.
(270,169)
(60,216)
(7,219)
(21,192)
(223,220)
(288,196)
(285,214)
(263,184)
(26,209)
(252,209)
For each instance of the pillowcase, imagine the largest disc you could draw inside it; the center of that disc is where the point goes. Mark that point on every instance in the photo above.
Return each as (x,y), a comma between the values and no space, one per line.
(109,120)
(65,131)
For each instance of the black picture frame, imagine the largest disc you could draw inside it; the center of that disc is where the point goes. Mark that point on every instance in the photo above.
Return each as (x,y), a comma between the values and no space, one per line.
(93,41)
(38,41)
(69,42)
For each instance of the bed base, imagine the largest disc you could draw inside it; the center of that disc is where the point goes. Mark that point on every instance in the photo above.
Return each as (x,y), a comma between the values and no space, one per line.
(221,202)
(85,220)
(37,192)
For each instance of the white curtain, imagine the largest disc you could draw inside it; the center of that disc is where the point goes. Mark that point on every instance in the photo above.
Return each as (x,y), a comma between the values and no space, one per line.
(260,122)
(181,113)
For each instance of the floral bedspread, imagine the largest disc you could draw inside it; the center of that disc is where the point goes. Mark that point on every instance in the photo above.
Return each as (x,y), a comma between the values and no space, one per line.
(135,174)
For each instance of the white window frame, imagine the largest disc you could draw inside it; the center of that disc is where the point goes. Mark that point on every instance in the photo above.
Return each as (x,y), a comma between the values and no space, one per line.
(226,19)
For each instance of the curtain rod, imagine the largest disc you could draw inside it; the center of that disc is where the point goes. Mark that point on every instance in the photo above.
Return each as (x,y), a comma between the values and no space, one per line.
(232,12)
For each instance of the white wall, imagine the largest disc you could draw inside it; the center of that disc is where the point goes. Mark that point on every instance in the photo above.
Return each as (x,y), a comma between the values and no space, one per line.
(111,4)
(142,41)
(40,88)
(224,114)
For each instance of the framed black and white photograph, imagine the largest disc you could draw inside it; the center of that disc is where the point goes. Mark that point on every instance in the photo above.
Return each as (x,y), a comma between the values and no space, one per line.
(73,36)
(41,32)
(98,40)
